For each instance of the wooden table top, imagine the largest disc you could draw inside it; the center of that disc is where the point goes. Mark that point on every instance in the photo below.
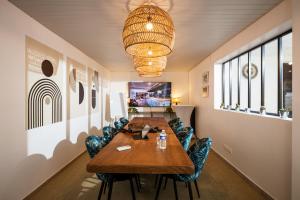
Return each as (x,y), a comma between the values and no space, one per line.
(144,157)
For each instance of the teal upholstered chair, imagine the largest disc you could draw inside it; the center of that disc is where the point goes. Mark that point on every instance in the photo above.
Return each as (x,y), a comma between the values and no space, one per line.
(94,144)
(173,121)
(198,153)
(119,125)
(184,136)
(178,126)
(108,133)
(124,121)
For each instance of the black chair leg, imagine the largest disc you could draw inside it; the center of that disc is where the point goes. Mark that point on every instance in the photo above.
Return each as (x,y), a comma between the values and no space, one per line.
(190,191)
(156,180)
(132,189)
(137,183)
(101,190)
(105,184)
(196,186)
(158,188)
(110,187)
(175,189)
(166,182)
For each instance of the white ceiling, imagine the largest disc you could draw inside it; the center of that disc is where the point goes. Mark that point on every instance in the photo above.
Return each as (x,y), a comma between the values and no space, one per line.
(95,26)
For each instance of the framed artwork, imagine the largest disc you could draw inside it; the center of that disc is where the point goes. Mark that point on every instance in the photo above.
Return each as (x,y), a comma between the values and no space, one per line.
(205,84)
(44,84)
(78,89)
(205,78)
(205,91)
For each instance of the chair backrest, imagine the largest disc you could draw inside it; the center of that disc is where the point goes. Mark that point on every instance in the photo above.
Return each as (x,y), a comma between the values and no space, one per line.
(178,126)
(199,153)
(173,121)
(109,132)
(184,136)
(124,121)
(94,144)
(118,125)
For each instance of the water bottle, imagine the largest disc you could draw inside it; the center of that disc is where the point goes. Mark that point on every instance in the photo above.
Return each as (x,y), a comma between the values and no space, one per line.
(163,140)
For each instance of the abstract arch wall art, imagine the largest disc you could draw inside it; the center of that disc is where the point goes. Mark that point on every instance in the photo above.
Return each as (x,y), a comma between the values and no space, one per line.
(47,68)
(94,90)
(94,87)
(94,93)
(44,80)
(78,89)
(94,98)
(42,91)
(80,92)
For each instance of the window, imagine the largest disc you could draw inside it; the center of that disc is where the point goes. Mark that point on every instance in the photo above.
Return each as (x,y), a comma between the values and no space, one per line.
(286,63)
(255,63)
(270,63)
(243,81)
(226,79)
(260,80)
(234,69)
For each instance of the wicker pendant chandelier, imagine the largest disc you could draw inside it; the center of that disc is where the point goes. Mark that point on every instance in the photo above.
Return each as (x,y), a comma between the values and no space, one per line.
(149,65)
(148,32)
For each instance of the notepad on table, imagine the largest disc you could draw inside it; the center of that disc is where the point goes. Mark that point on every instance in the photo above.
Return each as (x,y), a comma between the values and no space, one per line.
(123,148)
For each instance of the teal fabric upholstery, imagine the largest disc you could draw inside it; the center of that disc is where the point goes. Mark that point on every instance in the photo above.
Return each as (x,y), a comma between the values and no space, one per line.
(178,126)
(198,153)
(119,125)
(173,121)
(108,133)
(94,144)
(184,136)
(124,121)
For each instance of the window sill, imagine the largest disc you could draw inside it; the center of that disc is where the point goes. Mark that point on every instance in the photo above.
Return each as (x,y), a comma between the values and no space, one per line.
(255,114)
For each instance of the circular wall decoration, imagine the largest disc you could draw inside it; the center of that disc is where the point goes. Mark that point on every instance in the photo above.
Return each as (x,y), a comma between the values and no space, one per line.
(47,68)
(81,93)
(47,100)
(254,71)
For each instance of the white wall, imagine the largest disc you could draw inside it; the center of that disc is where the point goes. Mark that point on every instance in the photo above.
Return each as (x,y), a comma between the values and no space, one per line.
(296,102)
(180,84)
(20,172)
(261,146)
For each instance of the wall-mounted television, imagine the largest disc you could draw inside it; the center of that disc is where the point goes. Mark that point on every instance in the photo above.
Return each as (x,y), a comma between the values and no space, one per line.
(149,94)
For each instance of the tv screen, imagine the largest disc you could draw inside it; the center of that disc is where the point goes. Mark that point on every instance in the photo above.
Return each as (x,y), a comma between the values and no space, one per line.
(149,94)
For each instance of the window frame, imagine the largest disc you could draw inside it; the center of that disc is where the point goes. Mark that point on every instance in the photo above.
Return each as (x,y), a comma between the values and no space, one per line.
(262,54)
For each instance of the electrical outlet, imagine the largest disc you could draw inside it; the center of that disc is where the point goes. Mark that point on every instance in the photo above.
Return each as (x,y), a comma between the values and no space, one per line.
(227,149)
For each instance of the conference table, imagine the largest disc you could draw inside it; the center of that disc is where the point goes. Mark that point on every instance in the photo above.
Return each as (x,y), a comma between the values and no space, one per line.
(144,157)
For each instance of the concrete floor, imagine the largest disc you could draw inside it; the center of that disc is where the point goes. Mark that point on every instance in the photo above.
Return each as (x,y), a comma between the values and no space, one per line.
(217,182)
